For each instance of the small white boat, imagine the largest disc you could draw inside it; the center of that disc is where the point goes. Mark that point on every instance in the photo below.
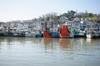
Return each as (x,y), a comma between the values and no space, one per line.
(89,36)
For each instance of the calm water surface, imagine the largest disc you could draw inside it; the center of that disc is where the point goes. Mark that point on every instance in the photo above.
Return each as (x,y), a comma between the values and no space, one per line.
(16,51)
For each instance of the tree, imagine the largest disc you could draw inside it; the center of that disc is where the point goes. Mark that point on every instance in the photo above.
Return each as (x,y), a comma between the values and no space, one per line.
(71,14)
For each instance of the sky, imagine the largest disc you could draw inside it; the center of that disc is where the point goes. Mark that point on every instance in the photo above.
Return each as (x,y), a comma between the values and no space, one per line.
(29,9)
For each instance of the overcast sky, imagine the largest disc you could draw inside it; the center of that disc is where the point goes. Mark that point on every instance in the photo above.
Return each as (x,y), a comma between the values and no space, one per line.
(28,9)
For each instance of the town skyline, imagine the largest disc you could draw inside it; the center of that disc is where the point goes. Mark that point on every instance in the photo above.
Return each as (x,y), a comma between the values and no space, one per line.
(28,9)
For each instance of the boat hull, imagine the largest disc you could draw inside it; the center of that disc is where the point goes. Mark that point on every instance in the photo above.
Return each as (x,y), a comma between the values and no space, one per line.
(64,33)
(47,34)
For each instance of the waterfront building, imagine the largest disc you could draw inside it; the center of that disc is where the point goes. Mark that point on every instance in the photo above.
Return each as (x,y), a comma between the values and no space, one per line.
(2,28)
(15,26)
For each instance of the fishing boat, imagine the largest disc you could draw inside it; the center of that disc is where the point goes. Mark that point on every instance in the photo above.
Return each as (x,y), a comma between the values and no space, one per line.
(15,34)
(91,35)
(64,32)
(1,34)
(55,35)
(78,34)
(30,34)
(39,34)
(47,34)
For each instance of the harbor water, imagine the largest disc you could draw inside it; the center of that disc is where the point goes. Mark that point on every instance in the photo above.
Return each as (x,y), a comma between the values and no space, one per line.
(21,51)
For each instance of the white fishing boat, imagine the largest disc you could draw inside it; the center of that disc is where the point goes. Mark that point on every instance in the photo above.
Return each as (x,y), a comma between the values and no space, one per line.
(89,36)
(93,35)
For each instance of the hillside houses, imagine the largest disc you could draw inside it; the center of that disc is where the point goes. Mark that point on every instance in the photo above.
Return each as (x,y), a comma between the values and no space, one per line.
(50,24)
(37,24)
(14,26)
(83,25)
(25,25)
(2,27)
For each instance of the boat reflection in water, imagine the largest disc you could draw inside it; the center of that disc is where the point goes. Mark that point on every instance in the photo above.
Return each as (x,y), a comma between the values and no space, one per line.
(52,44)
(48,43)
(64,43)
(47,40)
(88,40)
(49,52)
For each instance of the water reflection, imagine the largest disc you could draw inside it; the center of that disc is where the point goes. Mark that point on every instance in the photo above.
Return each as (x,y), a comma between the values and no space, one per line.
(88,40)
(49,51)
(48,45)
(64,43)
(47,40)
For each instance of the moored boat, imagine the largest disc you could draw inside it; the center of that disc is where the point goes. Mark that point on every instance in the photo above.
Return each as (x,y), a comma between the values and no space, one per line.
(64,32)
(93,35)
(28,34)
(55,35)
(89,36)
(47,34)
